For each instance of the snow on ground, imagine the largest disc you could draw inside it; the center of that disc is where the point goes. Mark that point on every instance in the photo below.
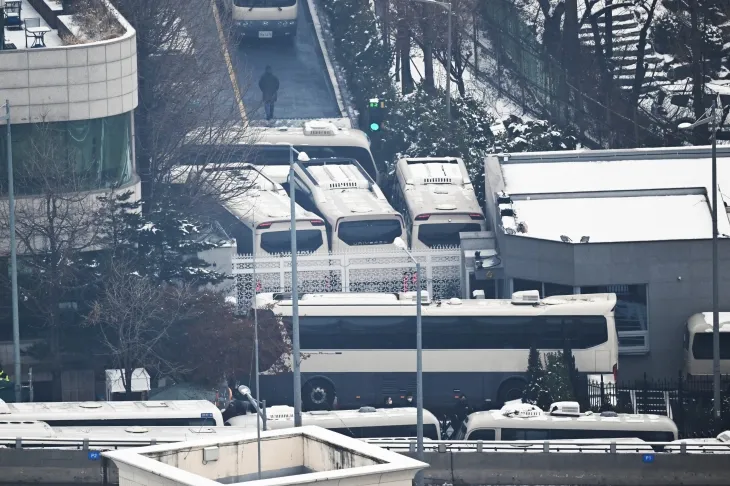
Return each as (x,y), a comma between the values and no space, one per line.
(17,37)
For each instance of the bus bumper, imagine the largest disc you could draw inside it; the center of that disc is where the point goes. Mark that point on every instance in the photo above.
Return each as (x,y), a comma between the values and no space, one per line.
(266,29)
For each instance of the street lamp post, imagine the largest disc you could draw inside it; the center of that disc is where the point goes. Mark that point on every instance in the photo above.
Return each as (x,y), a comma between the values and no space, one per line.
(246,392)
(13,251)
(447,7)
(301,157)
(2,27)
(398,242)
(713,118)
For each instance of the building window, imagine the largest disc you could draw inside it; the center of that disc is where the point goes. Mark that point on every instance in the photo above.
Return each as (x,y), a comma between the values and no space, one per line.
(72,156)
(546,289)
(631,314)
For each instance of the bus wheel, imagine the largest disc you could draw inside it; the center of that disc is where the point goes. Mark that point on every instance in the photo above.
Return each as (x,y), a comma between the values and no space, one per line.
(318,394)
(511,390)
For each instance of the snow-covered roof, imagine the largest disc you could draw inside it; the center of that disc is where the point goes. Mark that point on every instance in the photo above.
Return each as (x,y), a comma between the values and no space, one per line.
(615,195)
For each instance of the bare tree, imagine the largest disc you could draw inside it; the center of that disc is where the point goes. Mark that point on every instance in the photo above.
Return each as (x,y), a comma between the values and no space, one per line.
(649,9)
(187,111)
(55,231)
(134,316)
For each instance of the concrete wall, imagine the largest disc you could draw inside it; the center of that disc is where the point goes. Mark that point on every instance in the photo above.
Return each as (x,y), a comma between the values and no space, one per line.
(319,456)
(18,466)
(76,82)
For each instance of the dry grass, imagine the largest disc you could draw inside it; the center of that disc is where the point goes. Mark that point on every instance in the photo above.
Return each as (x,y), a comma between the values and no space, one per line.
(95,21)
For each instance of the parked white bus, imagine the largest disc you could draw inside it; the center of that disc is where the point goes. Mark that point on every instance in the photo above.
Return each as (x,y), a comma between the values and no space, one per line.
(354,209)
(364,423)
(107,414)
(561,425)
(260,216)
(270,147)
(437,200)
(698,344)
(361,346)
(263,19)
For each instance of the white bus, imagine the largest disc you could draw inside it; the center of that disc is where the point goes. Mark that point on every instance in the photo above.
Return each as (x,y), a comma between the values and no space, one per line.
(437,200)
(260,216)
(364,423)
(540,426)
(354,209)
(270,147)
(263,19)
(108,414)
(698,342)
(361,346)
(37,431)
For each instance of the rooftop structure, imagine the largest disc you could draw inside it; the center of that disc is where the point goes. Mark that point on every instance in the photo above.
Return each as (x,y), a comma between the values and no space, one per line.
(288,457)
(611,195)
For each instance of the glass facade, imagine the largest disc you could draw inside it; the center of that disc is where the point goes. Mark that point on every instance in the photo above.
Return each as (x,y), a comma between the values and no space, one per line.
(71,156)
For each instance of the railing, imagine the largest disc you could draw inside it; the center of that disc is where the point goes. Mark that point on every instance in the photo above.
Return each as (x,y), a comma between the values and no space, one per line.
(409,445)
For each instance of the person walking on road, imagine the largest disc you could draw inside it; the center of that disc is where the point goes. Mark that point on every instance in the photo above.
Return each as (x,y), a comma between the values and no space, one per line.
(269,85)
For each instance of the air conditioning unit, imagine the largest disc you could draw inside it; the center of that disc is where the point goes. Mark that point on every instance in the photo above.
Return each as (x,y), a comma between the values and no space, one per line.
(412,297)
(565,409)
(526,297)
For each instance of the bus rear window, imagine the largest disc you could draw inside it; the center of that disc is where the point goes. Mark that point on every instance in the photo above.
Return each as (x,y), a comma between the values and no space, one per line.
(264,3)
(369,232)
(280,241)
(444,234)
(482,434)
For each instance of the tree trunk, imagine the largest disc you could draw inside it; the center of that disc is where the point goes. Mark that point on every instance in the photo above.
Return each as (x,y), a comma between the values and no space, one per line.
(570,38)
(697,65)
(404,38)
(609,30)
(640,66)
(428,80)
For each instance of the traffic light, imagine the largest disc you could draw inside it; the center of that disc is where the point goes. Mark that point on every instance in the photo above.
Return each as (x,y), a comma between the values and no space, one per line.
(376,108)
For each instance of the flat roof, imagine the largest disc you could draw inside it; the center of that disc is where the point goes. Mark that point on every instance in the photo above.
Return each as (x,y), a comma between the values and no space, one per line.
(617,195)
(613,219)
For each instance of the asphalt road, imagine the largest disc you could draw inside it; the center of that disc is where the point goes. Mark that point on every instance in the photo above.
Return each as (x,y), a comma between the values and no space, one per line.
(304,91)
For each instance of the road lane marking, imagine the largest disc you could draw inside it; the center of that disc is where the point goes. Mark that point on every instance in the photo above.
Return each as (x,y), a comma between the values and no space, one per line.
(229,64)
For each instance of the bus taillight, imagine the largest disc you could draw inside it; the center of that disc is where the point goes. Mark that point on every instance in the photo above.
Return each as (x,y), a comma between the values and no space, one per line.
(422,217)
(615,373)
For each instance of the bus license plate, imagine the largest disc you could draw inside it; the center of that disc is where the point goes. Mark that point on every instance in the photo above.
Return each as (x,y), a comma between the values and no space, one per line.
(265,34)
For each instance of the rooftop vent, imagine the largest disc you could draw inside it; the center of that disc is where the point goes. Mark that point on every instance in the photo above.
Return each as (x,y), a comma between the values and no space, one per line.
(136,430)
(437,180)
(411,297)
(609,413)
(565,409)
(454,301)
(318,128)
(504,198)
(366,409)
(155,404)
(526,297)
(90,405)
(724,436)
(478,294)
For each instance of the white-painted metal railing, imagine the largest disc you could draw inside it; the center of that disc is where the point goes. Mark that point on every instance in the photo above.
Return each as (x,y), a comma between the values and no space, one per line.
(619,446)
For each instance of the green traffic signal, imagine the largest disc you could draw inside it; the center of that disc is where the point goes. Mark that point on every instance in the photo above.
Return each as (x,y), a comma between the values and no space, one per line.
(374,127)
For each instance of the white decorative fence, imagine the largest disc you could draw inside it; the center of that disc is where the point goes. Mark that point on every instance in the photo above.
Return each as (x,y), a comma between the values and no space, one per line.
(372,271)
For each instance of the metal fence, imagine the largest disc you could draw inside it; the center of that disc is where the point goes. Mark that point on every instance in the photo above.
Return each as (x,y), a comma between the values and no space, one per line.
(364,271)
(686,400)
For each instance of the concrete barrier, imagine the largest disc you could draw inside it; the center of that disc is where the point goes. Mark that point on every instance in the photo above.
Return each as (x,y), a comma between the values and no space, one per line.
(35,466)
(47,466)
(586,469)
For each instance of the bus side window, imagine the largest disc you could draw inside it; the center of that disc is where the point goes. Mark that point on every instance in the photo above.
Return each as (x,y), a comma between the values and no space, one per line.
(482,434)
(686,339)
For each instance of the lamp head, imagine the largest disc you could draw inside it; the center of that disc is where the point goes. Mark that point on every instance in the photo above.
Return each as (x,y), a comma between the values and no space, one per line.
(399,243)
(244,390)
(303,157)
(684,126)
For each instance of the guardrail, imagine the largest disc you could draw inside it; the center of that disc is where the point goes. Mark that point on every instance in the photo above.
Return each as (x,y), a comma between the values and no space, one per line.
(409,445)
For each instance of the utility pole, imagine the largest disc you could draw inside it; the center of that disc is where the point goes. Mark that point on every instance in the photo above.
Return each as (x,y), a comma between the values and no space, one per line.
(13,259)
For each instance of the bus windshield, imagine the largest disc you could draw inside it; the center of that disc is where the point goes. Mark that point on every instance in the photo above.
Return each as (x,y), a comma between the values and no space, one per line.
(369,232)
(444,234)
(280,241)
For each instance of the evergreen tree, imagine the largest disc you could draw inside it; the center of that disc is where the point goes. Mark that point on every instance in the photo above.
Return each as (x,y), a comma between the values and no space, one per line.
(577,382)
(535,391)
(557,378)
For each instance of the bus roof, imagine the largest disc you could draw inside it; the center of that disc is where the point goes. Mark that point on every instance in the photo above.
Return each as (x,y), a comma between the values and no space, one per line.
(702,322)
(364,417)
(341,188)
(39,430)
(107,410)
(437,185)
(589,421)
(338,303)
(317,133)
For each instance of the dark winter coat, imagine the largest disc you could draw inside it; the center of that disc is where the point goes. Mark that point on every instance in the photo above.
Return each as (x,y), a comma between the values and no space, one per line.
(269,85)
